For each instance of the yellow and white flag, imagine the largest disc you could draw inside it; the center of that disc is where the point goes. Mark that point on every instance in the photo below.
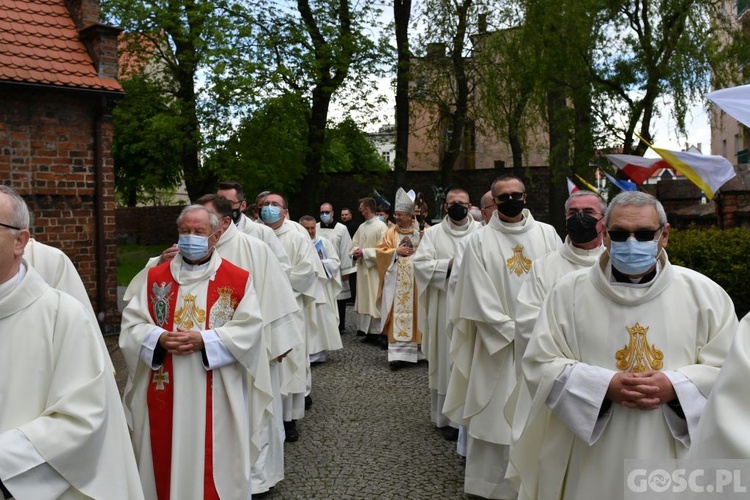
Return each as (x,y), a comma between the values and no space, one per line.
(708,172)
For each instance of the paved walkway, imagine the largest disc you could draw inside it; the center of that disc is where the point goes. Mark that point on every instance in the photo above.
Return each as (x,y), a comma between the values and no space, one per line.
(368,434)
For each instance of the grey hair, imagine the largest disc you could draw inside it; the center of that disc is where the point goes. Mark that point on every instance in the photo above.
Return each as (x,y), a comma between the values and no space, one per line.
(20,216)
(212,217)
(307,218)
(583,192)
(636,199)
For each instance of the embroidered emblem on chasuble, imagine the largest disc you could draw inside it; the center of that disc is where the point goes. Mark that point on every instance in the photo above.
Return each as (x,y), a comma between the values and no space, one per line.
(162,294)
(638,355)
(189,314)
(160,378)
(403,303)
(518,264)
(223,309)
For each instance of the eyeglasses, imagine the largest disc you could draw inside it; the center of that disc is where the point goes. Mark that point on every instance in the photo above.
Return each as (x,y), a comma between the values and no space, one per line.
(502,198)
(10,227)
(640,234)
(326,212)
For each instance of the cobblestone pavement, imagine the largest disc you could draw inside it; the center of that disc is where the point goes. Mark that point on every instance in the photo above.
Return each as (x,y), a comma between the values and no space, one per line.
(368,434)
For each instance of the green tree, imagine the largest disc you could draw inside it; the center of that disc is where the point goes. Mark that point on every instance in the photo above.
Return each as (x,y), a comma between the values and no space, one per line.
(267,152)
(178,43)
(507,82)
(401,21)
(349,151)
(145,148)
(322,50)
(651,52)
(446,82)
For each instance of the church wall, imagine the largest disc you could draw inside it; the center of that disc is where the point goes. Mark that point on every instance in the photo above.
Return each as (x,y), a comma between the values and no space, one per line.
(47,154)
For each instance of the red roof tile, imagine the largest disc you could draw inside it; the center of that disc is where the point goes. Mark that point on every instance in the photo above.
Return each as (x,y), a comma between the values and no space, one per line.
(39,44)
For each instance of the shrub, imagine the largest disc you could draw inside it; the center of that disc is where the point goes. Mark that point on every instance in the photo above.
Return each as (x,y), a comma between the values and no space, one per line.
(722,255)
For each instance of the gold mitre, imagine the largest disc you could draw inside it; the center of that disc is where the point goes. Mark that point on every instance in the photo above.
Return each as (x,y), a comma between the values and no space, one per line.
(404,201)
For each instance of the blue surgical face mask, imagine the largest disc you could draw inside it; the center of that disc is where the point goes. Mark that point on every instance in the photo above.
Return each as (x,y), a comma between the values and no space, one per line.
(326,218)
(192,246)
(381,218)
(270,214)
(633,257)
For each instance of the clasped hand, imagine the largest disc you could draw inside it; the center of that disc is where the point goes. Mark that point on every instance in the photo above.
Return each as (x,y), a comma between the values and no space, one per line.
(644,391)
(181,342)
(405,248)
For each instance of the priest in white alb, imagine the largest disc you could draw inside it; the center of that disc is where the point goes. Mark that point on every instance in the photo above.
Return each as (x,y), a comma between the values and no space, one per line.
(490,269)
(190,337)
(305,277)
(278,308)
(722,429)
(584,222)
(62,428)
(233,192)
(433,264)
(338,234)
(367,237)
(327,336)
(621,361)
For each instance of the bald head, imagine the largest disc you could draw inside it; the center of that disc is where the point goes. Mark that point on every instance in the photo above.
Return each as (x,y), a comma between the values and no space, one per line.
(487,206)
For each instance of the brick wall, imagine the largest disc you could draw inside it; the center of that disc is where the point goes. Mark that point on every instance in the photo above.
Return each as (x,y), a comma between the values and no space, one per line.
(734,202)
(47,155)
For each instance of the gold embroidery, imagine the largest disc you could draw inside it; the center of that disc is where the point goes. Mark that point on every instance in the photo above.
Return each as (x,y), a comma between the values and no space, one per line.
(160,378)
(638,355)
(223,310)
(519,264)
(403,302)
(190,314)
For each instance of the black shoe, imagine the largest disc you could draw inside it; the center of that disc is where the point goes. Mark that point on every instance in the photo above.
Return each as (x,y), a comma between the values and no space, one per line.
(449,433)
(290,429)
(383,342)
(360,333)
(371,339)
(395,365)
(308,402)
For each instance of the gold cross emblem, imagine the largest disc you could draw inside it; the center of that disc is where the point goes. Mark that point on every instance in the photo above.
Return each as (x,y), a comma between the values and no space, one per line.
(638,355)
(160,378)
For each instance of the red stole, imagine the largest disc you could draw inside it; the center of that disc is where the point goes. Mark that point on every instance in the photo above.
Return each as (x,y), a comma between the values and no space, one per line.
(225,290)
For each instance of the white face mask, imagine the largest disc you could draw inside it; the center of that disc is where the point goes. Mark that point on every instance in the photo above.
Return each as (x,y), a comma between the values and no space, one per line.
(192,246)
(633,257)
(326,218)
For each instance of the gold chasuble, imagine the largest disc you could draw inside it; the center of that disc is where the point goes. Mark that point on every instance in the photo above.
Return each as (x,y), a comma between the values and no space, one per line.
(397,293)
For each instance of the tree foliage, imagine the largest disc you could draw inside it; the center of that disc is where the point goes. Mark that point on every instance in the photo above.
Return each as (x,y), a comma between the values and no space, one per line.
(145,148)
(268,150)
(174,44)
